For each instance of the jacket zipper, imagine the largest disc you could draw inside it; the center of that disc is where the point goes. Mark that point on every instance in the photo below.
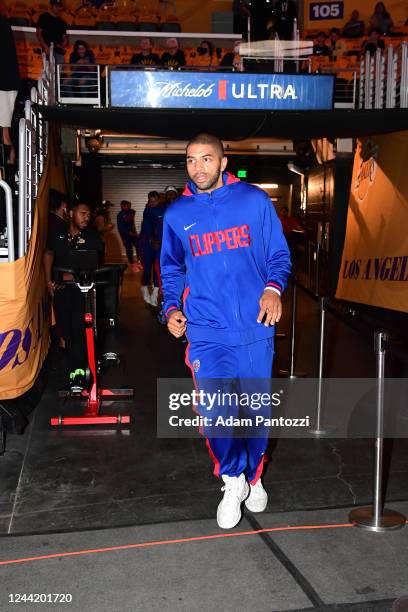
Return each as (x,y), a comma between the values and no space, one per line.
(226,265)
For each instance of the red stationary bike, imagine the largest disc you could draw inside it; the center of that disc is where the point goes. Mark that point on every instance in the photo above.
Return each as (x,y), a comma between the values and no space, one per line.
(83,268)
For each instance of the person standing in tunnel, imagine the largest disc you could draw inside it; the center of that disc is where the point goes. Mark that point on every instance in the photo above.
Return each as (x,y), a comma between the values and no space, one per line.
(68,299)
(223,249)
(127,230)
(146,250)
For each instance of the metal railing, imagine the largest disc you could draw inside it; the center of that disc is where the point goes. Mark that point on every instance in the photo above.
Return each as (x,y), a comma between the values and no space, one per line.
(7,250)
(79,84)
(374,517)
(384,78)
(29,175)
(33,139)
(377,81)
(345,86)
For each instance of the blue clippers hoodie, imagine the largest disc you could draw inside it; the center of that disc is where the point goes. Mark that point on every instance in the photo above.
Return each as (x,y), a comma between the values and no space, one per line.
(220,251)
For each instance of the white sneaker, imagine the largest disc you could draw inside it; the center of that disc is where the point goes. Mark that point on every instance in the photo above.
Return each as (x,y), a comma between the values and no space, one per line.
(236,489)
(258,497)
(145,294)
(154,296)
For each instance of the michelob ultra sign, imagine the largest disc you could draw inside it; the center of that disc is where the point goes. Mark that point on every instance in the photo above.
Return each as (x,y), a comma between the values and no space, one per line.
(174,89)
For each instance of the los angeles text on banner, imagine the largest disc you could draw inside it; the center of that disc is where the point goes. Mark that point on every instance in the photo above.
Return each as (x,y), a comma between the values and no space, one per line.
(374,268)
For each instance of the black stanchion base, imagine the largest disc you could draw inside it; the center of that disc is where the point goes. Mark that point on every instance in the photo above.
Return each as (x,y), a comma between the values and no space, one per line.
(321,433)
(389,519)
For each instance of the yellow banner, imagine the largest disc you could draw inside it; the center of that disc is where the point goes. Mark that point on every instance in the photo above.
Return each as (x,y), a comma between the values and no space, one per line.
(24,304)
(374,268)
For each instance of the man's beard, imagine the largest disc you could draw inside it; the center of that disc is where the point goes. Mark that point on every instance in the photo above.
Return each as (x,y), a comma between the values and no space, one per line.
(211,181)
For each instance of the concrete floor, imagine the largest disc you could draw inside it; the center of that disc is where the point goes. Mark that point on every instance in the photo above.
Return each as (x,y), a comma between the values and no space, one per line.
(83,488)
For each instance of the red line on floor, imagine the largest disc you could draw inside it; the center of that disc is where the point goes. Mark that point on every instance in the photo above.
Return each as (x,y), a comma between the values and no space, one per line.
(177,541)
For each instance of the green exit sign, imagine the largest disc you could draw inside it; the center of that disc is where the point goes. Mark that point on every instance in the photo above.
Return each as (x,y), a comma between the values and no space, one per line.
(242,174)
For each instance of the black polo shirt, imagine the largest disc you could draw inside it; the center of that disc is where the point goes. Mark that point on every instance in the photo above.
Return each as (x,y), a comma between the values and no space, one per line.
(53,30)
(9,74)
(61,243)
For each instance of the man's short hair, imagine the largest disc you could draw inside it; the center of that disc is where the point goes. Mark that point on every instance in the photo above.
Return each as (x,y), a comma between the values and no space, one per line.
(153,194)
(125,202)
(209,139)
(56,199)
(335,31)
(172,42)
(78,203)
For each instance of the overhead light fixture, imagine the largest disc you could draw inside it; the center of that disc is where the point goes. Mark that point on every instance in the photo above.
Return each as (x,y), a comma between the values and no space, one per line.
(267,185)
(303,191)
(120,161)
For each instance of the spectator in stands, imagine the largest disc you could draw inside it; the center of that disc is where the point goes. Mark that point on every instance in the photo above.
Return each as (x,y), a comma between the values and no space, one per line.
(145,57)
(373,42)
(337,46)
(52,29)
(320,48)
(127,231)
(381,19)
(9,84)
(259,12)
(271,28)
(173,57)
(232,58)
(354,28)
(205,54)
(285,15)
(83,56)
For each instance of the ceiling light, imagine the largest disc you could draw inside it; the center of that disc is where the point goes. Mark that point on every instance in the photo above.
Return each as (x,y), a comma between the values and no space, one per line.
(267,185)
(293,168)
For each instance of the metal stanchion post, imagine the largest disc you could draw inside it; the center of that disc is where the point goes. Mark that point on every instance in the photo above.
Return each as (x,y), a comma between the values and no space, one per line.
(375,517)
(318,431)
(291,372)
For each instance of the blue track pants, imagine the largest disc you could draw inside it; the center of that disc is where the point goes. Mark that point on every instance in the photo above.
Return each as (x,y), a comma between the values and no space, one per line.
(244,369)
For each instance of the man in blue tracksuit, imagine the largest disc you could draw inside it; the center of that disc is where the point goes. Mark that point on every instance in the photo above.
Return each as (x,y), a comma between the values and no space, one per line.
(223,249)
(127,230)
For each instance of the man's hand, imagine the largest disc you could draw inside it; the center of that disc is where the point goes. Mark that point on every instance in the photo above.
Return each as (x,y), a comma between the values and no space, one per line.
(53,287)
(270,305)
(176,323)
(50,288)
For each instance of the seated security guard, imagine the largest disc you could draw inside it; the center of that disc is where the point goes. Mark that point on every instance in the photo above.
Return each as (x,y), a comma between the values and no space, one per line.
(68,299)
